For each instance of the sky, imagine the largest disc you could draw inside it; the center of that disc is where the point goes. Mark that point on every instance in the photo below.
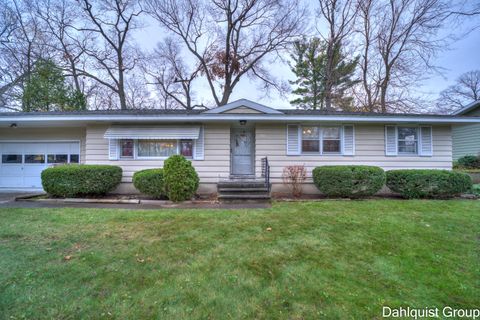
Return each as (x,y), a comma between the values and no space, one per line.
(462,55)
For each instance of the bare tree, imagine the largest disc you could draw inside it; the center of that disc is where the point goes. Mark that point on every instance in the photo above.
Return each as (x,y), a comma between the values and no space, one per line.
(340,17)
(230,39)
(398,41)
(171,76)
(19,54)
(60,21)
(112,55)
(465,90)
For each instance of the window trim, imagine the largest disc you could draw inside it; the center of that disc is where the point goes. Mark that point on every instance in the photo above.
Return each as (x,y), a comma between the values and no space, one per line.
(417,140)
(137,157)
(320,138)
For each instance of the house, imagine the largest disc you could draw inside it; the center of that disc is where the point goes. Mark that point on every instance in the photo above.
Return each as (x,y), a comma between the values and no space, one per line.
(227,142)
(466,137)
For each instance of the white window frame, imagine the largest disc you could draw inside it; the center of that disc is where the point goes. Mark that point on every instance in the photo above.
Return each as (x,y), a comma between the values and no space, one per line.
(417,140)
(137,157)
(320,137)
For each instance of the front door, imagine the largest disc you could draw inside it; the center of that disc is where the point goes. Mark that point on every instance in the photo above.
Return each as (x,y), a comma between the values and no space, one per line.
(242,146)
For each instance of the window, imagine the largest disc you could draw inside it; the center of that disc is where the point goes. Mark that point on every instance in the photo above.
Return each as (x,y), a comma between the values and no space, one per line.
(74,158)
(12,158)
(310,139)
(157,148)
(331,140)
(34,158)
(407,140)
(126,148)
(186,148)
(57,158)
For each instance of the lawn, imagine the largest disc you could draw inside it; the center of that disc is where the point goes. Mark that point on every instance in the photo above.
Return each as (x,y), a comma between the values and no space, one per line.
(330,259)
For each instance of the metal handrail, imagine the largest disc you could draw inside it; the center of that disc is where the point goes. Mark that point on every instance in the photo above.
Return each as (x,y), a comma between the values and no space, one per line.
(266,172)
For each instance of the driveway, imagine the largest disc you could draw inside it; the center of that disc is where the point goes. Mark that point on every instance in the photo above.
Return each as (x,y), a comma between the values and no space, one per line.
(7,196)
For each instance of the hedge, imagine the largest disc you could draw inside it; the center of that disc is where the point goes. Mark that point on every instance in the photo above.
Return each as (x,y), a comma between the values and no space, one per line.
(150,182)
(469,162)
(76,180)
(429,183)
(181,179)
(348,181)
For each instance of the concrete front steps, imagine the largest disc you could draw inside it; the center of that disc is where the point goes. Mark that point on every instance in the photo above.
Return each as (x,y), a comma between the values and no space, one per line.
(243,190)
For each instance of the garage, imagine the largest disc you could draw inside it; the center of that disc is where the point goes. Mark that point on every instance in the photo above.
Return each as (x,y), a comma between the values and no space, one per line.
(23,162)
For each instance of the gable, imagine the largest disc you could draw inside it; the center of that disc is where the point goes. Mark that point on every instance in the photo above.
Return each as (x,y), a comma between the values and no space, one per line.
(243,106)
(242,110)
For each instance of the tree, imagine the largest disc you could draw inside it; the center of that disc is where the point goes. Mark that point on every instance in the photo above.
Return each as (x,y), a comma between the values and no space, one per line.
(398,40)
(340,18)
(46,90)
(322,84)
(465,90)
(111,56)
(172,78)
(231,39)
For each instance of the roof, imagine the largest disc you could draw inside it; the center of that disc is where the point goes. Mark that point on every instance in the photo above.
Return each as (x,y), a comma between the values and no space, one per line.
(258,113)
(467,108)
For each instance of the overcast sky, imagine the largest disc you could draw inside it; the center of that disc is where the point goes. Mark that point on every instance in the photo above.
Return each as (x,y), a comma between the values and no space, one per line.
(462,56)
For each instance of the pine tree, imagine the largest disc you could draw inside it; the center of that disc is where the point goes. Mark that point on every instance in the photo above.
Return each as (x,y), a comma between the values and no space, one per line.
(310,58)
(47,90)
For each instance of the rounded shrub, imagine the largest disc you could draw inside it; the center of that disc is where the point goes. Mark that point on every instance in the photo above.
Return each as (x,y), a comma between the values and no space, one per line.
(413,183)
(469,162)
(181,179)
(150,182)
(76,180)
(348,181)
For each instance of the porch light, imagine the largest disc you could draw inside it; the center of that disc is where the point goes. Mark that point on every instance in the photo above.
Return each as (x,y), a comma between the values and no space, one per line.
(13,125)
(243,122)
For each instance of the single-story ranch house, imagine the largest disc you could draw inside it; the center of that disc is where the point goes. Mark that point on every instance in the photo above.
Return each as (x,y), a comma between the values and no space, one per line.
(222,143)
(466,137)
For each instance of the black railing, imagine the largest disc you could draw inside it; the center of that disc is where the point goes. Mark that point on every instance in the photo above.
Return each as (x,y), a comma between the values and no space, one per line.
(266,172)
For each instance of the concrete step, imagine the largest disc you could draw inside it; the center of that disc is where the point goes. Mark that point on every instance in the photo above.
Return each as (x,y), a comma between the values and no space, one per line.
(241,184)
(244,196)
(241,190)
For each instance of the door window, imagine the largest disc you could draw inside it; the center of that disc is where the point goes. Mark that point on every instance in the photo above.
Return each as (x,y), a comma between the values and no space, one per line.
(34,158)
(12,158)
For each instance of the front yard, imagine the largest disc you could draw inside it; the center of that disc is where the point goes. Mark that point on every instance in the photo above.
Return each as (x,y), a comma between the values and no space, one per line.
(329,259)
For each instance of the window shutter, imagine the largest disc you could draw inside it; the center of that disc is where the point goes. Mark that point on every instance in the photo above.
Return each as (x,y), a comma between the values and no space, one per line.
(426,142)
(112,149)
(199,146)
(391,148)
(293,140)
(348,140)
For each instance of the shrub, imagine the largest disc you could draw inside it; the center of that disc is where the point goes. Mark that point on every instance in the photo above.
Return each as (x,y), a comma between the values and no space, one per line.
(469,162)
(348,181)
(76,180)
(428,183)
(293,177)
(150,182)
(181,180)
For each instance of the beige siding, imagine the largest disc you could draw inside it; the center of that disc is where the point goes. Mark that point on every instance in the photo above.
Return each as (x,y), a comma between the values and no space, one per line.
(466,137)
(215,166)
(241,110)
(53,134)
(369,150)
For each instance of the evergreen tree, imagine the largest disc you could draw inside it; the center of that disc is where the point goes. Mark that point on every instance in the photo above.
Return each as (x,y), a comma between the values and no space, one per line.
(310,58)
(47,90)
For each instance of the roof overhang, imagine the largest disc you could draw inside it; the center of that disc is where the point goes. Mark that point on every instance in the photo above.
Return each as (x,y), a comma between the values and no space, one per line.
(467,108)
(68,120)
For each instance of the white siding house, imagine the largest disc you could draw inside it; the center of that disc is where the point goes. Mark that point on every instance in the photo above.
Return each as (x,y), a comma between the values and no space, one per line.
(228,142)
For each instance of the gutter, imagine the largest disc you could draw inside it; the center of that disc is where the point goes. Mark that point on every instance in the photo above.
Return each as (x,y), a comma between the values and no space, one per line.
(236,117)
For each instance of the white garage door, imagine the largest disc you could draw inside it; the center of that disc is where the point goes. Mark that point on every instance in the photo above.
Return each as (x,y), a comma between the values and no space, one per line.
(23,162)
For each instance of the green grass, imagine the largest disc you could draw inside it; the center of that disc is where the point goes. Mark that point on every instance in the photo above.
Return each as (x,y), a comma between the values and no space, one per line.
(329,259)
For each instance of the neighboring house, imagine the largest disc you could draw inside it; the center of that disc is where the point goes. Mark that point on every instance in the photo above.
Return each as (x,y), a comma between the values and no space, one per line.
(466,137)
(223,143)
